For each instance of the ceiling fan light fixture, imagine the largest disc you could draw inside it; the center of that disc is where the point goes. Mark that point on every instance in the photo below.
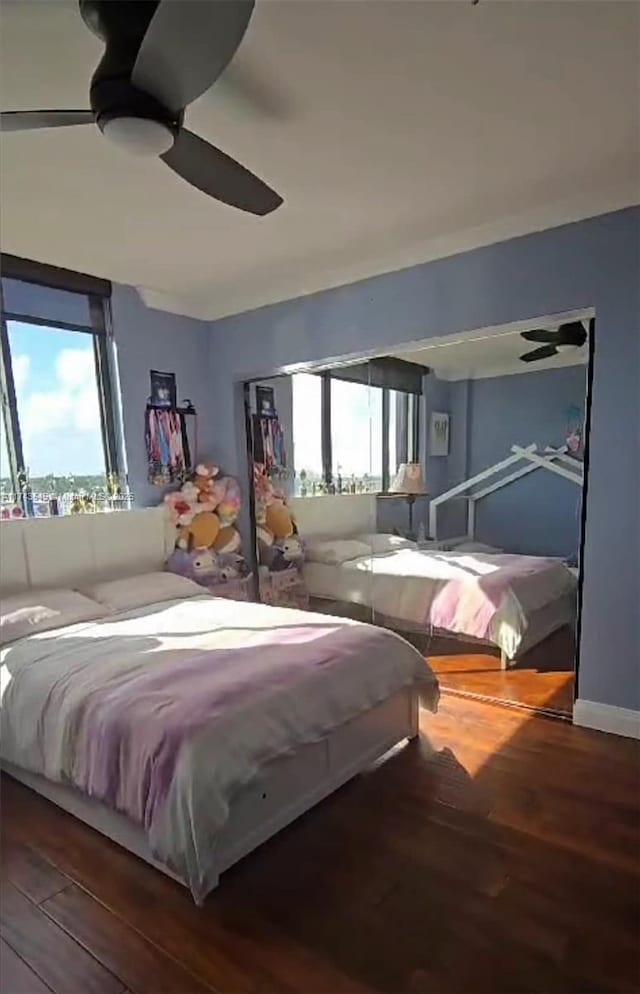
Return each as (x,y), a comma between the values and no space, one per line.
(158,58)
(138,135)
(566,347)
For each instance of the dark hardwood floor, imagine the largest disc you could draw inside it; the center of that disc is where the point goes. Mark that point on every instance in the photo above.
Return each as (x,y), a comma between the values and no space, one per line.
(498,853)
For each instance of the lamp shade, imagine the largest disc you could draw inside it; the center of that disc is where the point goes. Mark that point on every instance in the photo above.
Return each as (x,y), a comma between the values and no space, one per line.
(409,480)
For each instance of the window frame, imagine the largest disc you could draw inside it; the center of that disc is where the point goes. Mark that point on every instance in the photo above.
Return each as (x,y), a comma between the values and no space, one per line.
(100,332)
(407,429)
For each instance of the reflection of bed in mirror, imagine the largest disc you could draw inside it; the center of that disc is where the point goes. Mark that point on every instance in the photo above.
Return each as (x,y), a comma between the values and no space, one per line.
(468,592)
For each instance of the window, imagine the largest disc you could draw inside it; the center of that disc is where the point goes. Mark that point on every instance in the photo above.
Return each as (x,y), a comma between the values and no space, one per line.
(5,470)
(356,436)
(395,399)
(57,414)
(349,436)
(307,432)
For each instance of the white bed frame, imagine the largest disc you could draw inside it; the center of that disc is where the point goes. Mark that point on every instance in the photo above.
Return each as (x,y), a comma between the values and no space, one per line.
(555,460)
(348,515)
(48,552)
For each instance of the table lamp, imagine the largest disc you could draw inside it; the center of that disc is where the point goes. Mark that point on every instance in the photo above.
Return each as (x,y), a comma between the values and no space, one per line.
(409,482)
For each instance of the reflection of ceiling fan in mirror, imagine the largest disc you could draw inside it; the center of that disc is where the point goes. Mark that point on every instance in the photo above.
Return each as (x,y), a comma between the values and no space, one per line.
(570,335)
(160,55)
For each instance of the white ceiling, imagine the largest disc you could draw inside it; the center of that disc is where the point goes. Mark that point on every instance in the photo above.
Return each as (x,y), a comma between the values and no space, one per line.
(415,129)
(486,352)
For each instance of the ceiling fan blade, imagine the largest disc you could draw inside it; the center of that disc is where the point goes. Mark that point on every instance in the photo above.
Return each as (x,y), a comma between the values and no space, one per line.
(539,335)
(545,352)
(30,120)
(187,45)
(572,333)
(219,176)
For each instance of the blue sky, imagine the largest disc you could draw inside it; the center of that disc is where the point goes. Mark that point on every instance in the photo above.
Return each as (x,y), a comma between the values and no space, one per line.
(57,398)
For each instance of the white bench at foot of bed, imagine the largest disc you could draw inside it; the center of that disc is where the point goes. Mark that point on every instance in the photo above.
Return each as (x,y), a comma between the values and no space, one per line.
(284,790)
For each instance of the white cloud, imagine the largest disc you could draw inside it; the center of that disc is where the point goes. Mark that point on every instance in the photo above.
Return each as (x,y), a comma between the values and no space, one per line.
(20,365)
(61,427)
(73,366)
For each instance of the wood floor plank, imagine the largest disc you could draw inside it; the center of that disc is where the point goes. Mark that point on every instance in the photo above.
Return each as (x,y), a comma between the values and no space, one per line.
(497,854)
(144,968)
(59,961)
(15,976)
(130,889)
(30,873)
(543,677)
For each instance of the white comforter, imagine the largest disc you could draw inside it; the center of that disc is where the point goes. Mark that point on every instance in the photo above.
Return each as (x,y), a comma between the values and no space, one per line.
(51,682)
(404,585)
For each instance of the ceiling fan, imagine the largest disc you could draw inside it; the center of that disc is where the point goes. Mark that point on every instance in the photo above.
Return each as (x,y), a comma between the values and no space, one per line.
(570,335)
(160,55)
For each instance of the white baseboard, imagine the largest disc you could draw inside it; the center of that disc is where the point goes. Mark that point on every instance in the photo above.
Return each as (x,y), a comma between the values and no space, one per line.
(607,718)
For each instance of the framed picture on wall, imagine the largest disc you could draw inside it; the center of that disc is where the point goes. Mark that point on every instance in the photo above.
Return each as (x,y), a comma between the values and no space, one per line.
(439,434)
(163,389)
(265,400)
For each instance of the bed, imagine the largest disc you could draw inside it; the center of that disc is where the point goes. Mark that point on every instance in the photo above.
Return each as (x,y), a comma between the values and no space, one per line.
(488,597)
(187,728)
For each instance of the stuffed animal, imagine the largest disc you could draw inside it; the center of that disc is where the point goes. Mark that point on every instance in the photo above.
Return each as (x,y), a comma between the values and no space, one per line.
(201,532)
(204,511)
(278,545)
(203,480)
(278,520)
(231,566)
(185,503)
(227,489)
(199,565)
(273,558)
(291,548)
(228,540)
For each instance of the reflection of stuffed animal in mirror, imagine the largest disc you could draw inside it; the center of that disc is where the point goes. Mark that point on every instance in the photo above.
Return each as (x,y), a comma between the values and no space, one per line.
(292,549)
(279,547)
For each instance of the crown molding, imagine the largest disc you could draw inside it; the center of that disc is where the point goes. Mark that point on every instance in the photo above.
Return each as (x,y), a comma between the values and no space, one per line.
(264,290)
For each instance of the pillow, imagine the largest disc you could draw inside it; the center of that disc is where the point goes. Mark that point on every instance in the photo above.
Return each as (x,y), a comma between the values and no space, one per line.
(335,551)
(480,547)
(41,610)
(146,588)
(385,543)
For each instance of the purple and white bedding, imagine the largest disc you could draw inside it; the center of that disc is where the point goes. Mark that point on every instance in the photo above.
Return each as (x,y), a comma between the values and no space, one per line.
(164,712)
(485,596)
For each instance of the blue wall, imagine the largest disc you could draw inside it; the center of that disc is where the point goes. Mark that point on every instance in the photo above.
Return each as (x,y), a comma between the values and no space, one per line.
(539,514)
(148,339)
(591,263)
